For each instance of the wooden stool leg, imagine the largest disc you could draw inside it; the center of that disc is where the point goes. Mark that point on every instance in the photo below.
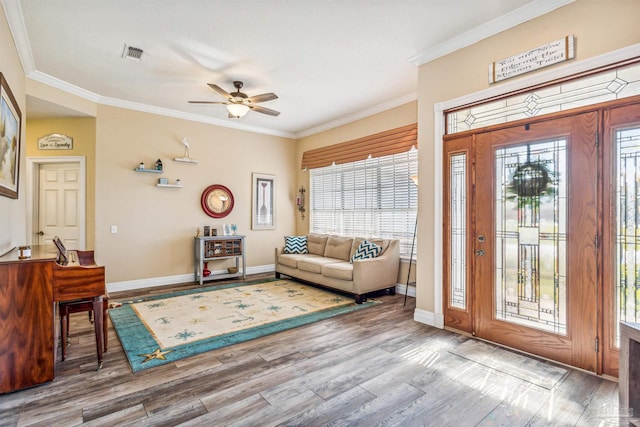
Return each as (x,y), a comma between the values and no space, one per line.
(64,329)
(105,324)
(98,308)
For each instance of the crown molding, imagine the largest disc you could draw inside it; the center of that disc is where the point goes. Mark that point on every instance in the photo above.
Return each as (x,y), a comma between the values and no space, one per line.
(359,115)
(63,86)
(18,29)
(488,29)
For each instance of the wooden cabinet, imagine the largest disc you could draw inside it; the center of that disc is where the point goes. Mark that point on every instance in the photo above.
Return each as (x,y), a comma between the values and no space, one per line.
(217,248)
(629,386)
(27,346)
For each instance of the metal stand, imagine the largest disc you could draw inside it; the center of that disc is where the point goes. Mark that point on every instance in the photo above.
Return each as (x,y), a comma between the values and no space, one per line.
(406,289)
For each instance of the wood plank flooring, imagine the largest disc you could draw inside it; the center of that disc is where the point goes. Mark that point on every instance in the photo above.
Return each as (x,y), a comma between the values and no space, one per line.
(371,367)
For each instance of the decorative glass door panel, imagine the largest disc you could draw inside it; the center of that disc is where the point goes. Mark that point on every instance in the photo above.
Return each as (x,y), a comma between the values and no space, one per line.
(621,243)
(458,243)
(627,280)
(530,235)
(535,257)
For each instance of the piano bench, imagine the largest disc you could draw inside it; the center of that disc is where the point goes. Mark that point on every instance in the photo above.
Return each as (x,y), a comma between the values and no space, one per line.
(78,306)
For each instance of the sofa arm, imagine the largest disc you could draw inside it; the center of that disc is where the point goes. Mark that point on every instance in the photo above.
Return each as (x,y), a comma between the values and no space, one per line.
(377,273)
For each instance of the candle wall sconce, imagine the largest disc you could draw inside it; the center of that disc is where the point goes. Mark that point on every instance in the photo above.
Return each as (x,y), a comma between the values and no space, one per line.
(300,201)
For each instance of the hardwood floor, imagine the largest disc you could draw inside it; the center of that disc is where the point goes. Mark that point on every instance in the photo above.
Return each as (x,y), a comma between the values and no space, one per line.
(371,367)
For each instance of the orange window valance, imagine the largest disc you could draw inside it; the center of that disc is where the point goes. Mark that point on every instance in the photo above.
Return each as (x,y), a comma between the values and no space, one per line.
(385,143)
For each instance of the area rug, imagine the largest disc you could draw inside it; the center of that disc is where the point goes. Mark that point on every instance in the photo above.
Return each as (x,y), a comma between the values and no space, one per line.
(537,372)
(169,327)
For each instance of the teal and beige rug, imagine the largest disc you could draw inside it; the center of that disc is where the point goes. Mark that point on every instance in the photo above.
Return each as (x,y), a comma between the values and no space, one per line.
(165,328)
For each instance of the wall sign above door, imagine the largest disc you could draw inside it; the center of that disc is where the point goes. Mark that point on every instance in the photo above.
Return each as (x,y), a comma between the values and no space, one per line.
(531,60)
(55,141)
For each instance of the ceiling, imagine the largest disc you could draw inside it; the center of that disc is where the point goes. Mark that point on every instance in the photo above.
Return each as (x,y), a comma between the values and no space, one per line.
(329,62)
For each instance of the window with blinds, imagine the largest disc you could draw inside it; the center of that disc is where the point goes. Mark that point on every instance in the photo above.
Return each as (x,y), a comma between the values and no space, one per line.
(370,198)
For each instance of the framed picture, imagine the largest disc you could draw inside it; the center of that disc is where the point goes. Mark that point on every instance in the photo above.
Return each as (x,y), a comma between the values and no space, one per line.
(10,124)
(263,212)
(230,229)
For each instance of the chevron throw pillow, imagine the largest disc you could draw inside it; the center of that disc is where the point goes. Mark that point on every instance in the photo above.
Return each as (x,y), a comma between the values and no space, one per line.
(366,250)
(295,245)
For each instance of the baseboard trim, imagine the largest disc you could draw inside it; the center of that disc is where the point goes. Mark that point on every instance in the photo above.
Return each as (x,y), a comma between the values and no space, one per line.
(429,318)
(130,285)
(400,289)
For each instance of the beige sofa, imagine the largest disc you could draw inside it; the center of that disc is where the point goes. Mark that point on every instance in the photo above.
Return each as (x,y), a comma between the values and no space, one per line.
(327,264)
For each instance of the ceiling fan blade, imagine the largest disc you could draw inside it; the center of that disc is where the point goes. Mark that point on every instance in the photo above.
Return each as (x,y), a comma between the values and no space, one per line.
(264,110)
(220,90)
(262,98)
(207,102)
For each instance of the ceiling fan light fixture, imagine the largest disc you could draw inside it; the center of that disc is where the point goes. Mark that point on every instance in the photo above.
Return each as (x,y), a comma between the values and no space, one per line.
(237,110)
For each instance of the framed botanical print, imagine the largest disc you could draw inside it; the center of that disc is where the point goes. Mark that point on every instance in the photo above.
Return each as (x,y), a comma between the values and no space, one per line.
(10,124)
(263,210)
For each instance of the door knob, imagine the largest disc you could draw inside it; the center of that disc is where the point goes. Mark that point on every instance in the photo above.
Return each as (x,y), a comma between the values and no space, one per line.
(40,233)
(480,252)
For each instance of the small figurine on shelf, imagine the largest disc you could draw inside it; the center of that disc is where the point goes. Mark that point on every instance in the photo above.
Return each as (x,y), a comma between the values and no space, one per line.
(178,182)
(141,166)
(158,165)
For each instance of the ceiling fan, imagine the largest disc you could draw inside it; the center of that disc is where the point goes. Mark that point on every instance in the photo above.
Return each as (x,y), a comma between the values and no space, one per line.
(238,104)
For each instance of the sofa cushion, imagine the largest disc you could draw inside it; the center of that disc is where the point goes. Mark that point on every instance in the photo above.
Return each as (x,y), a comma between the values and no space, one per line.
(316,243)
(357,240)
(314,264)
(338,270)
(295,245)
(366,250)
(291,260)
(338,247)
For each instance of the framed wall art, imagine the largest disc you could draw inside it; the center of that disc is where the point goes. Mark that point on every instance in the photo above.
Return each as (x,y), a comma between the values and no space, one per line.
(263,211)
(10,125)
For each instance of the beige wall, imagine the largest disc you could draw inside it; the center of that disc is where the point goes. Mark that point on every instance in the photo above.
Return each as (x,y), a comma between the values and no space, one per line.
(83,132)
(599,27)
(156,225)
(13,211)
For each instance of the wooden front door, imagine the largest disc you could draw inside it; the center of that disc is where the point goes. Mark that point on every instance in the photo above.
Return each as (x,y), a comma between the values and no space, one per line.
(525,237)
(536,275)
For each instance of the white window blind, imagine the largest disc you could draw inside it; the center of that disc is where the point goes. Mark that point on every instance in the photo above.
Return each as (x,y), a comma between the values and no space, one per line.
(369,198)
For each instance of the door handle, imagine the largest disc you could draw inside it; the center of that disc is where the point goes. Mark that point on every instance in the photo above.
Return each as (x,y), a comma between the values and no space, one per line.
(480,252)
(40,233)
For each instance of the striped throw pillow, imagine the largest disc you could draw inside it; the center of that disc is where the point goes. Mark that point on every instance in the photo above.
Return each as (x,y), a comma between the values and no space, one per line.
(295,245)
(366,250)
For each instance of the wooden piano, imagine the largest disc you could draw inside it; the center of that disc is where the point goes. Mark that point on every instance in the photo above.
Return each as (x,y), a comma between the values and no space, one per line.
(29,290)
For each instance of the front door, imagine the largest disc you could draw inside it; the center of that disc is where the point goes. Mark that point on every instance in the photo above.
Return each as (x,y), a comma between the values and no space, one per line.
(535,239)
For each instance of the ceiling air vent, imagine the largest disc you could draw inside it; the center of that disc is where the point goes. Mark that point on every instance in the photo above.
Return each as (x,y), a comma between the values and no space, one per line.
(131,52)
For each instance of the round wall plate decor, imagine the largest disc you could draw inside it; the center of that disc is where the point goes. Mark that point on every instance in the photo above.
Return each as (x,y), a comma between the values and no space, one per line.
(217,201)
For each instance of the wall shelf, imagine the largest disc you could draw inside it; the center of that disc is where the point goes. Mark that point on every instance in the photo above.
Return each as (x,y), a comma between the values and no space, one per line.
(169,185)
(185,160)
(148,170)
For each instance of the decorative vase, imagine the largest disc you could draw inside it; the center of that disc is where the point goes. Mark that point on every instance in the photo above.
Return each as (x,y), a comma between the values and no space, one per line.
(205,271)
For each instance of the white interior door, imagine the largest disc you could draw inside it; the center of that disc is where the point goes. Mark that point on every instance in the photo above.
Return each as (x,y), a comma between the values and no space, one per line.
(60,204)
